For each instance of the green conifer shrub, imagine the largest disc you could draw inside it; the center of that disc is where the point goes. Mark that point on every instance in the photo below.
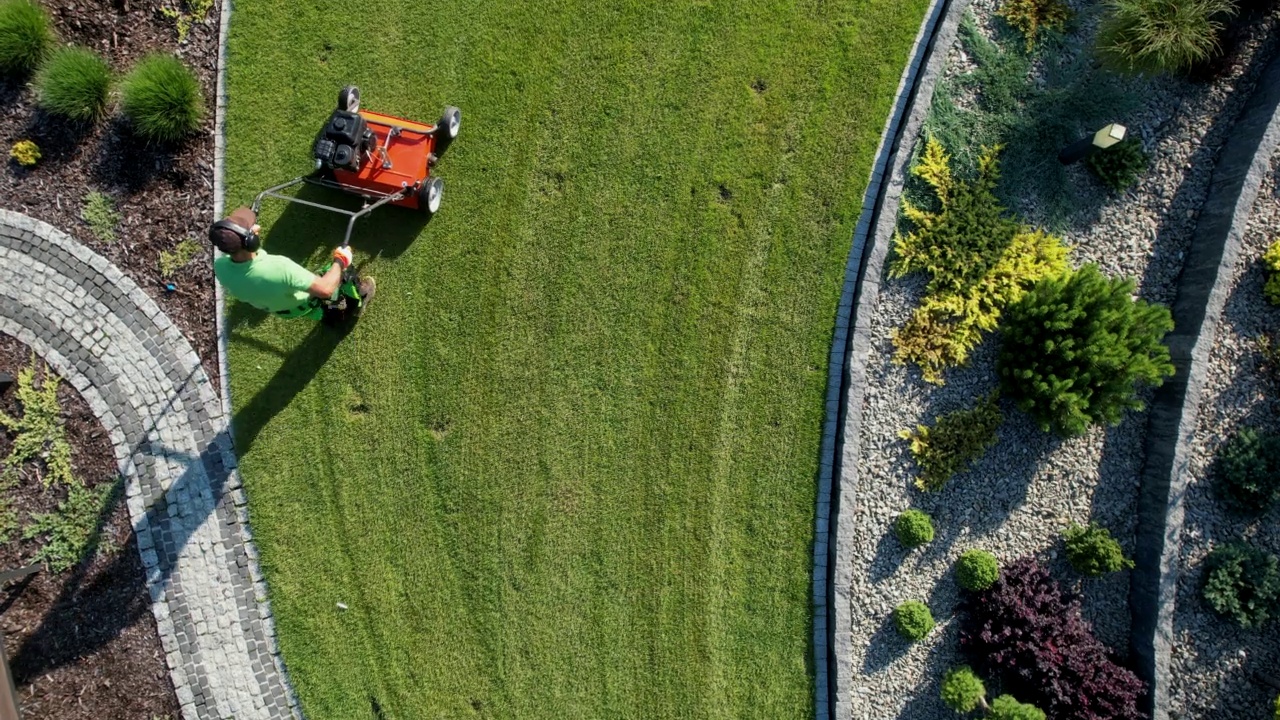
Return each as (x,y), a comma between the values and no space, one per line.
(913,620)
(1006,707)
(1248,471)
(1119,166)
(913,528)
(1077,346)
(1093,552)
(1029,17)
(955,441)
(977,570)
(1242,584)
(962,689)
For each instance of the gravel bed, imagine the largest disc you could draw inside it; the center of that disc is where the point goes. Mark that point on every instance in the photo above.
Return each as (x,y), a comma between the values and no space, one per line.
(1213,660)
(1031,485)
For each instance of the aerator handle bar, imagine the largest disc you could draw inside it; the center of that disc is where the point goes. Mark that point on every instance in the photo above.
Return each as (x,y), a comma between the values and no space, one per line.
(372,199)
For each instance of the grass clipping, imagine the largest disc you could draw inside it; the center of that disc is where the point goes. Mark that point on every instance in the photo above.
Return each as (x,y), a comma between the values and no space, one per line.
(979,260)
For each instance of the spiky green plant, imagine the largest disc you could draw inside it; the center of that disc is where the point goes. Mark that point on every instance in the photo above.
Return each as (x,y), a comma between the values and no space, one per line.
(25,36)
(1161,36)
(162,98)
(74,83)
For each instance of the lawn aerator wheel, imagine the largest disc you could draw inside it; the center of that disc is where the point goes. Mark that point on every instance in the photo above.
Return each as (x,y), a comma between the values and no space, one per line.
(450,121)
(429,195)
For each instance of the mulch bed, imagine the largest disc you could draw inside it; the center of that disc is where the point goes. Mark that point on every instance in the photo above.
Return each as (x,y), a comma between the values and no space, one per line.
(163,193)
(82,644)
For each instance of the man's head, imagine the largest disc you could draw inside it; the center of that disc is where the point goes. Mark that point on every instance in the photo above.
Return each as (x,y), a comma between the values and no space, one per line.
(238,231)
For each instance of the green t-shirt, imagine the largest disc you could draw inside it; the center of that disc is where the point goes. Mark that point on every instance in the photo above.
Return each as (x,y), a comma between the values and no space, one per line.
(267,282)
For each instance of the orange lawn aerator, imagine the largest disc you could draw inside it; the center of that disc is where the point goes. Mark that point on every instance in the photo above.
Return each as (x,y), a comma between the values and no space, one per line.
(383,159)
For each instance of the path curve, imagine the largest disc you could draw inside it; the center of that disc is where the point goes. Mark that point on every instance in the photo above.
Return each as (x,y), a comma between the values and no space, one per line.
(110,340)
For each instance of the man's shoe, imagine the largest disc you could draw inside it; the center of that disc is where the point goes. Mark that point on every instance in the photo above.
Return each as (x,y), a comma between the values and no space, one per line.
(367,287)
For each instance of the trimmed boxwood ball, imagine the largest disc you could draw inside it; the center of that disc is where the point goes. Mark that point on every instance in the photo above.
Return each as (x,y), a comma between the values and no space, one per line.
(75,84)
(977,570)
(962,690)
(25,36)
(162,98)
(913,620)
(913,528)
(1006,707)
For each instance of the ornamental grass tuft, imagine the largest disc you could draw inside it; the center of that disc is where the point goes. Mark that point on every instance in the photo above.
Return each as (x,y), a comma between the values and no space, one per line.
(74,83)
(25,36)
(162,98)
(1161,36)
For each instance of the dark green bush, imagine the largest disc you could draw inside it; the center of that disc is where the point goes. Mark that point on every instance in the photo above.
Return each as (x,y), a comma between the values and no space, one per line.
(956,440)
(1242,583)
(1161,35)
(1006,707)
(25,36)
(162,98)
(1248,471)
(1119,166)
(1093,552)
(962,690)
(913,528)
(977,570)
(74,83)
(1031,16)
(913,620)
(1076,346)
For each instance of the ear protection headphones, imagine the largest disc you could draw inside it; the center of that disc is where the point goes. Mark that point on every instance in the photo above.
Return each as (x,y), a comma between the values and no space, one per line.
(249,240)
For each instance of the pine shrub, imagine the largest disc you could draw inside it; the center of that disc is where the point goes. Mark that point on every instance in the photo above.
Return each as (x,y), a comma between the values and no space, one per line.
(977,570)
(979,260)
(1093,552)
(162,98)
(1006,707)
(1271,263)
(1242,584)
(954,442)
(1031,16)
(74,83)
(1028,632)
(913,528)
(913,620)
(1161,36)
(962,690)
(1248,471)
(1119,166)
(25,36)
(1077,345)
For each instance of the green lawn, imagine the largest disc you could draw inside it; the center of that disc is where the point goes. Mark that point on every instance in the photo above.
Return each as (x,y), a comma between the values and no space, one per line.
(566,465)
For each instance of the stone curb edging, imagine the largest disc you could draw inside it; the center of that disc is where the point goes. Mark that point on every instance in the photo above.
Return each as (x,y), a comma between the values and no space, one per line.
(220,320)
(141,378)
(832,635)
(1203,288)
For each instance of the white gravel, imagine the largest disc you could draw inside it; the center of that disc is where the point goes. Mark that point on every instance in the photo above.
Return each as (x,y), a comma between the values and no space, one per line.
(1022,494)
(1213,660)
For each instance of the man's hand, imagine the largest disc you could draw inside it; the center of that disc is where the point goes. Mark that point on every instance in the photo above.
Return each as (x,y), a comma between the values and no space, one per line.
(343,255)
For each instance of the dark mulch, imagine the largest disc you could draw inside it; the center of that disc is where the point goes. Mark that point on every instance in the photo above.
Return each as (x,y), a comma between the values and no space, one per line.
(82,644)
(164,194)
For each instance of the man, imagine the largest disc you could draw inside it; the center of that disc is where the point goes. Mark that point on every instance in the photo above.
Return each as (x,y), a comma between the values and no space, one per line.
(278,285)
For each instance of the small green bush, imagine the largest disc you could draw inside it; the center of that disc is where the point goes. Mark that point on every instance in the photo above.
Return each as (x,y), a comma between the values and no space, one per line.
(1161,36)
(25,36)
(1277,717)
(162,98)
(1242,583)
(1248,471)
(1092,551)
(913,620)
(956,440)
(1031,16)
(184,20)
(1119,166)
(72,533)
(74,83)
(977,570)
(913,528)
(39,433)
(25,152)
(171,261)
(962,690)
(1271,262)
(99,212)
(978,259)
(1006,707)
(1077,346)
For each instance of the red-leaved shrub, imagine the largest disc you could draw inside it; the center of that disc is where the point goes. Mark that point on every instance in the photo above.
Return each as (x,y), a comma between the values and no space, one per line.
(1028,631)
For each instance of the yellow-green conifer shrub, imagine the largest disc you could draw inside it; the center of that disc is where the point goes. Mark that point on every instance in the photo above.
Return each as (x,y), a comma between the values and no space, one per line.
(978,258)
(1271,261)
